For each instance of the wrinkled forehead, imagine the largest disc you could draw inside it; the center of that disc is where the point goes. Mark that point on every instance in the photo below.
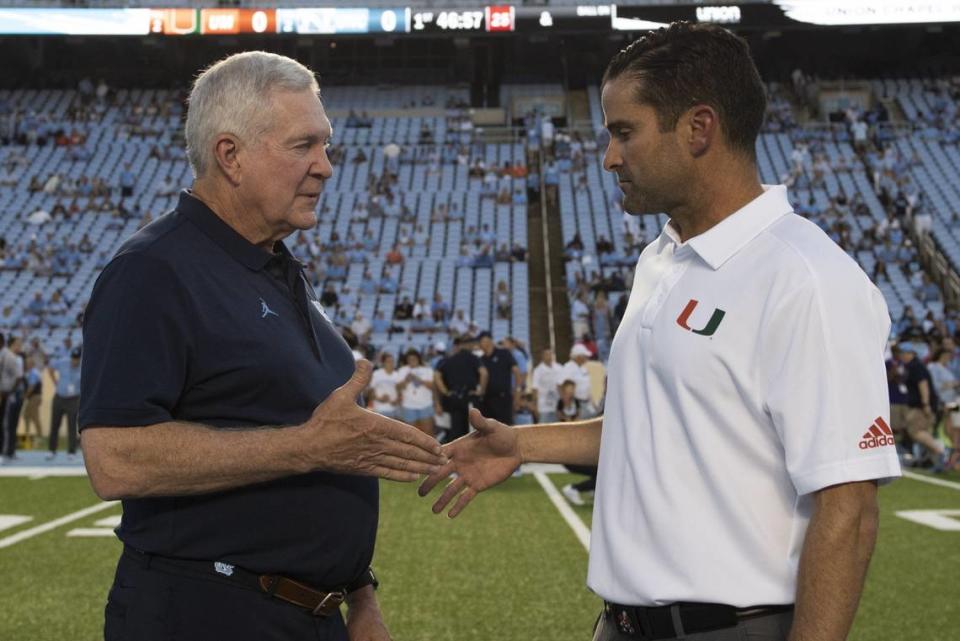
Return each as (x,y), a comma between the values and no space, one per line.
(300,113)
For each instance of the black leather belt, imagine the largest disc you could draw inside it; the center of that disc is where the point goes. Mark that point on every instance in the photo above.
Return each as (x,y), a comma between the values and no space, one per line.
(321,603)
(650,623)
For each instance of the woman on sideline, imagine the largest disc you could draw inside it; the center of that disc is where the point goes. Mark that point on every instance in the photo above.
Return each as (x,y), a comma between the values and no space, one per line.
(416,392)
(383,387)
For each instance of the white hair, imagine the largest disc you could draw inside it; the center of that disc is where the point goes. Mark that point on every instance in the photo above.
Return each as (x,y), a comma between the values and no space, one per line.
(230,97)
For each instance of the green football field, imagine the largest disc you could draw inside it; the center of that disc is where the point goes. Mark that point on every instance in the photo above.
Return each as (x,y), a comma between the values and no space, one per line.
(510,568)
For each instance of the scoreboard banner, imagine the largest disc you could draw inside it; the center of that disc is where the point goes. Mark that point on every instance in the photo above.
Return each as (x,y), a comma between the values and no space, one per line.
(491,19)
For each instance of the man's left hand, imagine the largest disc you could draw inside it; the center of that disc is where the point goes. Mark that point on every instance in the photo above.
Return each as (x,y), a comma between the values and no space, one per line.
(364,621)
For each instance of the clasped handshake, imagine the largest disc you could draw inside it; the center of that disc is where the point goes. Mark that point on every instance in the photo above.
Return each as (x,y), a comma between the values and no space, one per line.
(357,441)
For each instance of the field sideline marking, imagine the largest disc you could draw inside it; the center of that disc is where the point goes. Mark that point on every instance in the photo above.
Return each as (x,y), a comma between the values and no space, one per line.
(13,539)
(932,481)
(574,521)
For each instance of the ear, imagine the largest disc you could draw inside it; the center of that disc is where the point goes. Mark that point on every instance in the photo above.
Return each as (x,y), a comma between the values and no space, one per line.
(226,150)
(703,128)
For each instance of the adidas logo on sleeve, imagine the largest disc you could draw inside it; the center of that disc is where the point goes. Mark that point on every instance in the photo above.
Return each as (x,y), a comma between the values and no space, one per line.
(879,435)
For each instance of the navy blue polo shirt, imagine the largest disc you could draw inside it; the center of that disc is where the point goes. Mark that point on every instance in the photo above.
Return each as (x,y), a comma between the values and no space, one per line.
(500,369)
(191,322)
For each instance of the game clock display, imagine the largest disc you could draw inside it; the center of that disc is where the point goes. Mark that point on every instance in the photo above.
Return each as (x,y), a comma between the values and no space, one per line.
(441,21)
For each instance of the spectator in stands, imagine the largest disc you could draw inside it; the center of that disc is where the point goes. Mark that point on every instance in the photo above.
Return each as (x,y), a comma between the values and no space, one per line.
(127,181)
(52,185)
(459,324)
(8,177)
(503,300)
(167,187)
(580,312)
(388,284)
(359,212)
(601,325)
(330,299)
(503,254)
(403,310)
(604,246)
(416,392)
(928,291)
(439,309)
(360,326)
(880,272)
(519,253)
(573,250)
(484,259)
(380,324)
(368,285)
(39,217)
(465,259)
(383,394)
(394,256)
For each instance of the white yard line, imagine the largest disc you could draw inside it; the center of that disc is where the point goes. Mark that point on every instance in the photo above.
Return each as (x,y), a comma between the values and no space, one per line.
(576,524)
(13,539)
(923,478)
(38,472)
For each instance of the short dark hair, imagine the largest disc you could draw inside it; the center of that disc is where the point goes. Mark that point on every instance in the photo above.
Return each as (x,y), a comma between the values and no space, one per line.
(686,64)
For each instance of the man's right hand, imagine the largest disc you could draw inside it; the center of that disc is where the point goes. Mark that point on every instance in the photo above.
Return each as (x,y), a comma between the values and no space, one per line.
(482,459)
(348,439)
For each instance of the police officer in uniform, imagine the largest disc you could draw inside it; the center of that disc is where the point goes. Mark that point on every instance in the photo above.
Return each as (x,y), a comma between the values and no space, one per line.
(504,382)
(461,380)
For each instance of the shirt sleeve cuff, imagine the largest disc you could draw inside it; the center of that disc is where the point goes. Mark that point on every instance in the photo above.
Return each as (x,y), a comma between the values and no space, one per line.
(884,469)
(123,418)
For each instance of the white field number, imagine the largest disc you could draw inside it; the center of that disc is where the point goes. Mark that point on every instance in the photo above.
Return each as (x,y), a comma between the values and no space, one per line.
(943,520)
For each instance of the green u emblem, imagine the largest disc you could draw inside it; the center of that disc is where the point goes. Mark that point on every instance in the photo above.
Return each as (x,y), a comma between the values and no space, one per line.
(712,324)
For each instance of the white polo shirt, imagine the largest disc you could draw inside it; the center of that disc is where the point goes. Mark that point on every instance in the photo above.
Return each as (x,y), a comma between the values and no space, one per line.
(746,374)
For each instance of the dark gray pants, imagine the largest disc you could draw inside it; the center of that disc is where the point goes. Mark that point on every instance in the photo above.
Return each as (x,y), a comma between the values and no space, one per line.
(64,406)
(773,627)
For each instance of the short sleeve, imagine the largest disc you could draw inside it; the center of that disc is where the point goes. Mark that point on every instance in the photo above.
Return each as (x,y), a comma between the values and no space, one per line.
(826,387)
(136,344)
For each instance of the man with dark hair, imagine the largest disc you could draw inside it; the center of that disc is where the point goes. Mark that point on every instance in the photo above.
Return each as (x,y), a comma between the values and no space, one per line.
(745,424)
(504,382)
(460,381)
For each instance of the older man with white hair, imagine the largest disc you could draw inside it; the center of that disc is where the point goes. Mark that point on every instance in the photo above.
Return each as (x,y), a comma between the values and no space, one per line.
(219,402)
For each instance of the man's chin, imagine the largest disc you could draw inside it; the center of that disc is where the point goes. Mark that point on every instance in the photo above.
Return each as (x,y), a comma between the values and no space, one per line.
(305,220)
(637,208)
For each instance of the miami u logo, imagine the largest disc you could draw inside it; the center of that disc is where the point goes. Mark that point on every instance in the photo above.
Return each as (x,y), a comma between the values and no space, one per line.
(712,324)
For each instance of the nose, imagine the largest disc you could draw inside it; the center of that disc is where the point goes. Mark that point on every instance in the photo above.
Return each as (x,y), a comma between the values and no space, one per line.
(611,157)
(322,167)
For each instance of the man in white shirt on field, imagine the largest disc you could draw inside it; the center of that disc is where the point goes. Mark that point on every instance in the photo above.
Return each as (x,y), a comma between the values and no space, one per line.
(746,423)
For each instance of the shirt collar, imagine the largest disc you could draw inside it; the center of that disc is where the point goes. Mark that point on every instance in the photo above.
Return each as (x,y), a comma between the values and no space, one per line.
(721,242)
(245,252)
